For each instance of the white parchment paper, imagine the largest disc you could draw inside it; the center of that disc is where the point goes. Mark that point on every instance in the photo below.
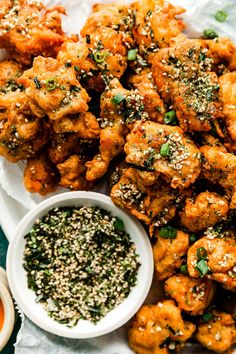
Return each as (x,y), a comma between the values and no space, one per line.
(199,16)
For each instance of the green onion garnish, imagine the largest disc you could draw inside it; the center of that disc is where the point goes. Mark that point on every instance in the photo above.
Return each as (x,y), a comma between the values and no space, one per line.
(99,56)
(132,54)
(183,269)
(37,83)
(192,238)
(207,316)
(165,150)
(168,232)
(118,98)
(201,253)
(170,118)
(202,268)
(51,84)
(202,57)
(210,34)
(221,16)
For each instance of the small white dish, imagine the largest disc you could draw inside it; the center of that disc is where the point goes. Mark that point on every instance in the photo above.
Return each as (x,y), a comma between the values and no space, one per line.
(25,297)
(9,316)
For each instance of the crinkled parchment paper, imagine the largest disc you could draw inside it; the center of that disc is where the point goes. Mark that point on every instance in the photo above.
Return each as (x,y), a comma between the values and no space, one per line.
(199,16)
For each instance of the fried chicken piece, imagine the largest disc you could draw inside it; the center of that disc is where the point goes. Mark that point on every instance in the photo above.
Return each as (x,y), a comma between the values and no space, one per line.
(168,252)
(10,70)
(40,175)
(157,329)
(72,173)
(155,24)
(228,94)
(116,16)
(21,133)
(28,29)
(204,211)
(54,89)
(136,193)
(192,295)
(218,334)
(185,80)
(220,167)
(102,54)
(84,124)
(214,258)
(164,149)
(152,102)
(221,50)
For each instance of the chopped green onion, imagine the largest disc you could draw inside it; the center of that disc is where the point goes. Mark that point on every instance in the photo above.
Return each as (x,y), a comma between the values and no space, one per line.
(201,253)
(202,57)
(132,54)
(221,16)
(202,268)
(165,150)
(37,83)
(74,88)
(207,316)
(99,56)
(168,232)
(192,238)
(119,224)
(170,118)
(76,68)
(51,84)
(118,98)
(210,34)
(183,269)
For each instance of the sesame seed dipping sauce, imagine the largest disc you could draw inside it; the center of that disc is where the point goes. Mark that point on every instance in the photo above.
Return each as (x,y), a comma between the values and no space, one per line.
(80,262)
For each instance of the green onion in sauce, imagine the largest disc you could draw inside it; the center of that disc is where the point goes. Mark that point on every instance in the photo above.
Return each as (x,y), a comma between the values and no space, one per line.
(81,263)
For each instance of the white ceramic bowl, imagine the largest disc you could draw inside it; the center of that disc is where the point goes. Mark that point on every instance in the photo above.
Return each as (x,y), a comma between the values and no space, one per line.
(9,316)
(25,297)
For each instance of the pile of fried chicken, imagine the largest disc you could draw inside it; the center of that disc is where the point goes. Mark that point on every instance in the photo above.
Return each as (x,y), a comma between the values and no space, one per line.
(133,99)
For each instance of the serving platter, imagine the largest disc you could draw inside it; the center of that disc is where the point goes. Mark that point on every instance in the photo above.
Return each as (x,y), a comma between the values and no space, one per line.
(15,201)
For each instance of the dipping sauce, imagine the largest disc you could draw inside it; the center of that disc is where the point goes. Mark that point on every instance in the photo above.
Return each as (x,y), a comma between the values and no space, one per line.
(1,315)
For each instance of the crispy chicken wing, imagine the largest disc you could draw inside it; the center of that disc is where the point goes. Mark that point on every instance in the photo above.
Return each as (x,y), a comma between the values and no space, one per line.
(40,175)
(21,133)
(219,334)
(159,329)
(184,78)
(203,211)
(221,50)
(28,29)
(54,89)
(215,258)
(228,93)
(155,204)
(164,149)
(155,24)
(192,295)
(220,167)
(168,252)
(72,173)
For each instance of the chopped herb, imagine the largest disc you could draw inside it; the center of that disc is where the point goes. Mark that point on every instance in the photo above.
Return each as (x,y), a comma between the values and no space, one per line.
(168,232)
(119,224)
(99,57)
(201,253)
(202,268)
(202,57)
(192,238)
(37,83)
(51,84)
(132,54)
(207,316)
(221,16)
(74,88)
(68,65)
(165,150)
(76,68)
(170,118)
(210,34)
(118,98)
(183,269)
